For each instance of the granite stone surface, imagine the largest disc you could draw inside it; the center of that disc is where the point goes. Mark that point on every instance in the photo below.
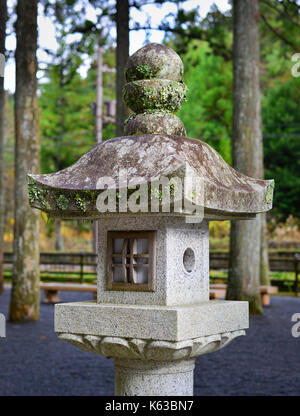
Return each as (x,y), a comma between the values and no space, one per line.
(151,322)
(153,335)
(152,378)
(174,285)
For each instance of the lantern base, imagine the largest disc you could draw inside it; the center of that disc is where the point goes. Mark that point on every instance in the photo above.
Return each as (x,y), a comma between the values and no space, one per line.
(149,322)
(154,378)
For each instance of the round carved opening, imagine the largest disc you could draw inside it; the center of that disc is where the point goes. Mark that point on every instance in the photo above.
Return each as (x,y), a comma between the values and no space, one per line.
(189,260)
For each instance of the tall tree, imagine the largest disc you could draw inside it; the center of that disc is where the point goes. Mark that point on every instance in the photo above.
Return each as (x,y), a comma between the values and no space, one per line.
(59,240)
(25,295)
(264,252)
(98,121)
(99,93)
(245,237)
(122,56)
(3,18)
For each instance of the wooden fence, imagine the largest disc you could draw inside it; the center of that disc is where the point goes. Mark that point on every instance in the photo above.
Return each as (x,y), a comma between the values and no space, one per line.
(51,264)
(280,261)
(81,264)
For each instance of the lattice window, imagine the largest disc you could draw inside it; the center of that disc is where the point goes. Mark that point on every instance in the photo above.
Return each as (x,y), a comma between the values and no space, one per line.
(131,260)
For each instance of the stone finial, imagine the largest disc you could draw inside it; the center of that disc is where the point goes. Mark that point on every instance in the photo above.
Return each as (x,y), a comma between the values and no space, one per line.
(154,91)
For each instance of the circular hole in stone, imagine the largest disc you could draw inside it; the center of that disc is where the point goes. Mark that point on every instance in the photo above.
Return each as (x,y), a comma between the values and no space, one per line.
(189,260)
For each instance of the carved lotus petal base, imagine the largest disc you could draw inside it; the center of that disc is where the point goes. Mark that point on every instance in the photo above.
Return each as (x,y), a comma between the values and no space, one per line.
(133,348)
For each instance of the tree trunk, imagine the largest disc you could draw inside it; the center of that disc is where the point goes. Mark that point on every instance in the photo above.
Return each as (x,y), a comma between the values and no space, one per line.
(264,253)
(245,244)
(3,18)
(59,240)
(99,92)
(122,57)
(98,122)
(24,305)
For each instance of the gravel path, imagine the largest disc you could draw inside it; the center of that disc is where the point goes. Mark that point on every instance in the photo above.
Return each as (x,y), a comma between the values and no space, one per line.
(265,362)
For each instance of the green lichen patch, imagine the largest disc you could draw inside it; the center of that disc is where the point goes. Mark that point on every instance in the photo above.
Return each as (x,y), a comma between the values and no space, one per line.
(141,72)
(62,202)
(90,196)
(154,61)
(52,200)
(33,191)
(37,194)
(154,95)
(45,204)
(30,181)
(269,193)
(80,202)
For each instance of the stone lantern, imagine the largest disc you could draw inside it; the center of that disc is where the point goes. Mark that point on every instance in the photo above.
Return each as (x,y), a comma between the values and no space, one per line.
(153,191)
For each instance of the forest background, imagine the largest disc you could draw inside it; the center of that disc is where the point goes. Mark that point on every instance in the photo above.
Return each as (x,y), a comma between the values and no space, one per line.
(67,97)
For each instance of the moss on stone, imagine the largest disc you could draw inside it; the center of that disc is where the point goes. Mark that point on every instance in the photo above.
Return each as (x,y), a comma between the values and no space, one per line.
(62,202)
(33,190)
(154,61)
(49,200)
(269,193)
(37,194)
(45,204)
(141,72)
(80,202)
(89,195)
(154,95)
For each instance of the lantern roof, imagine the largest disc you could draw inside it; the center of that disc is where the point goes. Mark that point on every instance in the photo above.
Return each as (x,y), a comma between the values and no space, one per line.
(154,148)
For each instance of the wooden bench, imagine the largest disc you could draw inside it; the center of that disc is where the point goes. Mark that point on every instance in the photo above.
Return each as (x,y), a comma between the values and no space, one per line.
(265,292)
(218,291)
(51,290)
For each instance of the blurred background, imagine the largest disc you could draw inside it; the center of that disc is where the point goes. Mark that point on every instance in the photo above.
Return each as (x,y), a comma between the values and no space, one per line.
(70,61)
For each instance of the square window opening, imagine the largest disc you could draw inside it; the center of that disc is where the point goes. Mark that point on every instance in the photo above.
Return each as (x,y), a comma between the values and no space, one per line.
(131,260)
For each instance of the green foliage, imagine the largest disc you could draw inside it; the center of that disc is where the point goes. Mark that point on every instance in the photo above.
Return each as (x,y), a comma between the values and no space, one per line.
(66,99)
(215,29)
(280,25)
(66,121)
(205,46)
(281,123)
(207,114)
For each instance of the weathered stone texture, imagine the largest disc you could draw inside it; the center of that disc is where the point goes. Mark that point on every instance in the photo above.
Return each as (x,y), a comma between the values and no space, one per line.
(154,123)
(154,61)
(144,157)
(165,323)
(154,335)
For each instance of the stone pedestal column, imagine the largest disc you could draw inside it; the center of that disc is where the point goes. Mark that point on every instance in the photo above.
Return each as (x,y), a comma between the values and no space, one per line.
(154,378)
(153,314)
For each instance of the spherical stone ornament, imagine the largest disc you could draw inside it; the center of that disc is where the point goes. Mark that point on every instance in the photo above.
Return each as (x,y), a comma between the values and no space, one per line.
(154,91)
(154,61)
(154,123)
(154,94)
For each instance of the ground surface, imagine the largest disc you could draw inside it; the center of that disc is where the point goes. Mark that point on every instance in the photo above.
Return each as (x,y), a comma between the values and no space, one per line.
(265,362)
